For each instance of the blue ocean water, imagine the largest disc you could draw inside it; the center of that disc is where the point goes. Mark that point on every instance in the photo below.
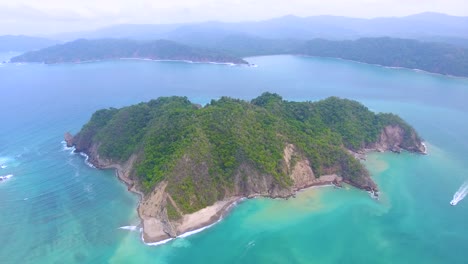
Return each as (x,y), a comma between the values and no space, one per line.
(56,209)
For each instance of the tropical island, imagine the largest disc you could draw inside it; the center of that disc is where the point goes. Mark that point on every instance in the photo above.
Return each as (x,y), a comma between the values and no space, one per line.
(83,50)
(190,163)
(438,58)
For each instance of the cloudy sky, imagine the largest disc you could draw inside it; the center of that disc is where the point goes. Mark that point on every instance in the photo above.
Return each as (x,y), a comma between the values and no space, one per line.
(38,17)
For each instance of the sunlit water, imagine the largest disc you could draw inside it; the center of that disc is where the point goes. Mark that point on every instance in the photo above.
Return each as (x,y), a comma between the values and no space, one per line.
(55,209)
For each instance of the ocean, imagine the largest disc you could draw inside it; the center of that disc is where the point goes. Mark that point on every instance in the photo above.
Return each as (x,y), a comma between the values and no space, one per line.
(56,209)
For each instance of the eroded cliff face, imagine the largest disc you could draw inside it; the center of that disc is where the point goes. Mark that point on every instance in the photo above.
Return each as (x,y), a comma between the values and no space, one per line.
(395,138)
(248,181)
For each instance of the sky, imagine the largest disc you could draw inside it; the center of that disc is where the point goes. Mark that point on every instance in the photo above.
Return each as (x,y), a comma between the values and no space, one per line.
(42,17)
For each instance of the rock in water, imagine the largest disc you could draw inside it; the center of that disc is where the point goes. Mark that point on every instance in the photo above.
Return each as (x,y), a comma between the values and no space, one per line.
(68,139)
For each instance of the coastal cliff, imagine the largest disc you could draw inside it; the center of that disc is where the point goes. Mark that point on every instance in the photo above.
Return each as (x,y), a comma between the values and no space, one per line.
(190,164)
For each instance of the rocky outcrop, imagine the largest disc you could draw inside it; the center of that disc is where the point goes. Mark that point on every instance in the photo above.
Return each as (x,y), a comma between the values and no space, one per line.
(249,182)
(68,139)
(395,138)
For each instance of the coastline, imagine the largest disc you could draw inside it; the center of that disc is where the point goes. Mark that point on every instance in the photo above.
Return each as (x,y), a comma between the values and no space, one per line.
(152,229)
(373,64)
(146,59)
(394,67)
(211,215)
(158,228)
(200,220)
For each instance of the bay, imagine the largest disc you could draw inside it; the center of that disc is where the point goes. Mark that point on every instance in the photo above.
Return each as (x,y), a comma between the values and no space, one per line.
(56,209)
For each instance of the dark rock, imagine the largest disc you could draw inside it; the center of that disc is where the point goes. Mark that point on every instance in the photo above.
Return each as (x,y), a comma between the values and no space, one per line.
(69,139)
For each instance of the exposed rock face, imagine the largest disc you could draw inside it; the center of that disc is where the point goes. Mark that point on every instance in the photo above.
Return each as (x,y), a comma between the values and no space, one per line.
(392,138)
(69,139)
(249,182)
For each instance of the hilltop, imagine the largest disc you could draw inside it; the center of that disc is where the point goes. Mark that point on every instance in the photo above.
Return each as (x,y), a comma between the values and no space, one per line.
(189,163)
(84,50)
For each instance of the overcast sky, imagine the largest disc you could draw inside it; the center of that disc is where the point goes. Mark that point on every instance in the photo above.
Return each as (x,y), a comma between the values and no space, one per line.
(38,17)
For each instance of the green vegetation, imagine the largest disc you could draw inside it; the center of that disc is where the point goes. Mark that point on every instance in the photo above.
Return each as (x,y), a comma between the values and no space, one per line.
(432,57)
(411,54)
(106,49)
(199,151)
(393,52)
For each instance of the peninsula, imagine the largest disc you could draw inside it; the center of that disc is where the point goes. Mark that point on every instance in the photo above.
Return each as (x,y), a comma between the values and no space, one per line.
(84,50)
(190,163)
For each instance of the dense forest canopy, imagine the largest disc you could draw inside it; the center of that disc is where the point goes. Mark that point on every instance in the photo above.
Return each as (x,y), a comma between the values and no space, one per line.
(227,133)
(393,52)
(106,49)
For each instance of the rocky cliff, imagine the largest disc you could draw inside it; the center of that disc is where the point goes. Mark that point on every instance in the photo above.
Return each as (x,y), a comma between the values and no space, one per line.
(269,147)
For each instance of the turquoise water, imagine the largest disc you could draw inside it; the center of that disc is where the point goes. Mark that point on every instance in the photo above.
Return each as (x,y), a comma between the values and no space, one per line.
(55,209)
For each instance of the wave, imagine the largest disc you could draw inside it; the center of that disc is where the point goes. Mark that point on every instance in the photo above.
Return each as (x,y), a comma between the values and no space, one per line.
(186,234)
(460,194)
(87,160)
(189,233)
(158,243)
(131,228)
(3,166)
(6,177)
(425,147)
(65,148)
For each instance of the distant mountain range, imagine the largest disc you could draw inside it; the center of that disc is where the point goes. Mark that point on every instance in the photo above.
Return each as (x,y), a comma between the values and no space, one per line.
(424,26)
(432,42)
(431,27)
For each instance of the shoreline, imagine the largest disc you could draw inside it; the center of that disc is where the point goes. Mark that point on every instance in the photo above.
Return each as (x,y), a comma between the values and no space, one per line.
(392,67)
(157,229)
(142,59)
(197,222)
(366,63)
(198,225)
(226,210)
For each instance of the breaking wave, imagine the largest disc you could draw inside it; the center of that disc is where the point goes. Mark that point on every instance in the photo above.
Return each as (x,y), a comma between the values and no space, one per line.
(6,177)
(131,228)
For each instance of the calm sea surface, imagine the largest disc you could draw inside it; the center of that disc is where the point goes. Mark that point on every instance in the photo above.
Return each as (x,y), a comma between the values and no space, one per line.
(55,209)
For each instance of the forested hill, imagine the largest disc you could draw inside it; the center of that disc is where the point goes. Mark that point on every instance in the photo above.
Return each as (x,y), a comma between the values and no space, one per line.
(233,147)
(392,52)
(83,50)
(412,54)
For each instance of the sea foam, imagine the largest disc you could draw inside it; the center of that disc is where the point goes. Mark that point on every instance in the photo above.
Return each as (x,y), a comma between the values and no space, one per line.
(158,243)
(460,194)
(6,177)
(131,228)
(66,148)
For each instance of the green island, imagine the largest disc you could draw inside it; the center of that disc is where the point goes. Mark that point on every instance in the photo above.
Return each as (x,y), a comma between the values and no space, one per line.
(190,163)
(432,57)
(438,58)
(83,50)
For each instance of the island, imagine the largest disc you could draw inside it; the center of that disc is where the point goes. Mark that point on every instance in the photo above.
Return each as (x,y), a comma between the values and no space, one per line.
(190,163)
(84,50)
(440,58)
